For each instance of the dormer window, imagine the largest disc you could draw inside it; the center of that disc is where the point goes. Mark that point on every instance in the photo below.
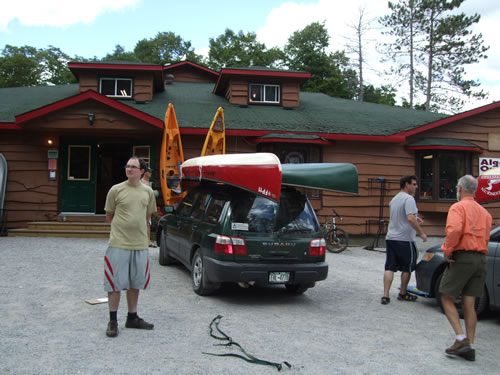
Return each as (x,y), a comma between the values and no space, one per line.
(261,93)
(116,87)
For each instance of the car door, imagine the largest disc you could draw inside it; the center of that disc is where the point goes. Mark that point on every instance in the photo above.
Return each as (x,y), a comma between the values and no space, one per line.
(177,223)
(493,276)
(188,227)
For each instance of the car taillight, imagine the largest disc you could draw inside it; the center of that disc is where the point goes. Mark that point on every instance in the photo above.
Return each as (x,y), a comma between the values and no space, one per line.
(230,245)
(239,246)
(317,247)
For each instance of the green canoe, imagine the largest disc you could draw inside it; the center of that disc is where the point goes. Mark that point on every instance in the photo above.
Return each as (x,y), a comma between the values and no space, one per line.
(341,177)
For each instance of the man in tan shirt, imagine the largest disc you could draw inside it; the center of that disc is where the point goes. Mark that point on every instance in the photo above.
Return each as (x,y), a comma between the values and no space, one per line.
(129,206)
(467,234)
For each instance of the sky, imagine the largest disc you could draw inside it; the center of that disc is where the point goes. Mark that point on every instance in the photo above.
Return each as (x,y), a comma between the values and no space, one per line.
(94,27)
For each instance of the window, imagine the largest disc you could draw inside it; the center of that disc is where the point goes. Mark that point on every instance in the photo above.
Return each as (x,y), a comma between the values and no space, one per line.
(79,162)
(142,152)
(120,87)
(259,93)
(439,172)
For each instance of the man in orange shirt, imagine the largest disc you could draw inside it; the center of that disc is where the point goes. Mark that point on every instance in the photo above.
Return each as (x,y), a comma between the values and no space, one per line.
(467,234)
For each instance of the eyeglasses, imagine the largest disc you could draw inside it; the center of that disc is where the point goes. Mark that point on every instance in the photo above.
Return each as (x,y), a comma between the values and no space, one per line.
(131,167)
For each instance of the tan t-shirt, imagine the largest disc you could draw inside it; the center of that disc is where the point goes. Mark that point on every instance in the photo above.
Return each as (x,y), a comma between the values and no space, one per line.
(130,204)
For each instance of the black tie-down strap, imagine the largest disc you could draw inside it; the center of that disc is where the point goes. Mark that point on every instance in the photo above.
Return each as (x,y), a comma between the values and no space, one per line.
(247,357)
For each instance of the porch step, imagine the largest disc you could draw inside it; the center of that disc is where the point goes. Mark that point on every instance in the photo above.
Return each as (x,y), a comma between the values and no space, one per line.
(62,229)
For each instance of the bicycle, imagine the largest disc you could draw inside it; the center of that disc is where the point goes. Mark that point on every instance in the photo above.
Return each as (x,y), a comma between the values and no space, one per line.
(336,238)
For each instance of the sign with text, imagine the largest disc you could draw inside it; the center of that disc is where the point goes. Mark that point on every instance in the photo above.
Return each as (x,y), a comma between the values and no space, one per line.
(488,163)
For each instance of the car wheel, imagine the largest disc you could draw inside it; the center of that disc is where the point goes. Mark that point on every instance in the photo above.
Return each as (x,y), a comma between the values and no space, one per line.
(164,258)
(297,288)
(480,305)
(200,284)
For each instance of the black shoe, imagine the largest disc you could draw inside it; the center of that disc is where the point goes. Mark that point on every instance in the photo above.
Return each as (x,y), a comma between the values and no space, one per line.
(385,300)
(112,330)
(138,323)
(469,355)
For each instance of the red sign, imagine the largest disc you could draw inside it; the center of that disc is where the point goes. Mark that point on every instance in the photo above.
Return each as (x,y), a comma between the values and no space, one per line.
(488,186)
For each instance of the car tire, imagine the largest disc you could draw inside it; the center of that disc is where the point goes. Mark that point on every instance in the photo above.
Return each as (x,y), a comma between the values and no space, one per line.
(480,305)
(164,257)
(200,284)
(297,288)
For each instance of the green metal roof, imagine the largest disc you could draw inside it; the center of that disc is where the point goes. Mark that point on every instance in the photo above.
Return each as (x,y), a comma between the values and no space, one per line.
(195,106)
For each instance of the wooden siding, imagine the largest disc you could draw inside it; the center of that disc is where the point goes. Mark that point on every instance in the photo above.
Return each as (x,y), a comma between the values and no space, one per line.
(75,119)
(237,92)
(30,196)
(143,87)
(290,94)
(190,74)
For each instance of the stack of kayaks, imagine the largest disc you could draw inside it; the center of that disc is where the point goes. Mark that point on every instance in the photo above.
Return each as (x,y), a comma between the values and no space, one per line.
(260,173)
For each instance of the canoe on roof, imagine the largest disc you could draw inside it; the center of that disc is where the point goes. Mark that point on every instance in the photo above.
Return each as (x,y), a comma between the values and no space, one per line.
(259,173)
(339,177)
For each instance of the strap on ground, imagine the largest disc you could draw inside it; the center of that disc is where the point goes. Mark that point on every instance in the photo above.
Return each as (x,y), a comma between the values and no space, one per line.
(247,357)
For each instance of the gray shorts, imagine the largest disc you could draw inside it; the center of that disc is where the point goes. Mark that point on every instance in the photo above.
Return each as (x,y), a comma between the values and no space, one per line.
(126,269)
(466,276)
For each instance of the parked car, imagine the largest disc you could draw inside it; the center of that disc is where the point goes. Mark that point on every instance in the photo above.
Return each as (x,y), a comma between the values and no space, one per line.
(430,270)
(226,234)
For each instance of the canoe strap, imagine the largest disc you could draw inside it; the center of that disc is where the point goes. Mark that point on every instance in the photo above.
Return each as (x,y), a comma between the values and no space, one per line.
(247,357)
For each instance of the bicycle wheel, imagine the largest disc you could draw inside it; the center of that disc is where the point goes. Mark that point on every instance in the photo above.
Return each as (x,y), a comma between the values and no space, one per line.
(337,244)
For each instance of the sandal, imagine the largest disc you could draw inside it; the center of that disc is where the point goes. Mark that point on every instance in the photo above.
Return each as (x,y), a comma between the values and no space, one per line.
(407,297)
(385,300)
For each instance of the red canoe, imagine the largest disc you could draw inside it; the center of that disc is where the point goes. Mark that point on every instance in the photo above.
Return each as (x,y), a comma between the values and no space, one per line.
(488,186)
(259,173)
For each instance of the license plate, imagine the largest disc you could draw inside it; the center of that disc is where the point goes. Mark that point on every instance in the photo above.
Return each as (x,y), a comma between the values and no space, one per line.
(279,277)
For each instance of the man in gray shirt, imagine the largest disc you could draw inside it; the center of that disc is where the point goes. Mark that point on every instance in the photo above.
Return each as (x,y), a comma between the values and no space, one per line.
(404,225)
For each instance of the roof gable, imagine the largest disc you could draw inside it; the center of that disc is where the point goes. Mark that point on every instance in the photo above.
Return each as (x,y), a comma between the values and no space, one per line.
(127,67)
(193,68)
(226,74)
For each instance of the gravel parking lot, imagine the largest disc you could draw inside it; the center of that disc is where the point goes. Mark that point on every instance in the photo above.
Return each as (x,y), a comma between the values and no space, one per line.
(338,327)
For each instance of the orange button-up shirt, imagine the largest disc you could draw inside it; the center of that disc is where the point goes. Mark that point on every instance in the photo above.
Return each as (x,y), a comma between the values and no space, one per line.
(467,227)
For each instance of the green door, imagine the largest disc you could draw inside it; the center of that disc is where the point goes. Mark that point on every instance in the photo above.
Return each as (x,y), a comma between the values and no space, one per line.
(78,177)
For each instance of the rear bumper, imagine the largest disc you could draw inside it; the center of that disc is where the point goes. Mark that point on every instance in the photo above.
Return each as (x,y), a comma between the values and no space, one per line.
(218,271)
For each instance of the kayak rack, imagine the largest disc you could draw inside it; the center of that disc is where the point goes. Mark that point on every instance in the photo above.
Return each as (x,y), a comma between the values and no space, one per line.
(385,186)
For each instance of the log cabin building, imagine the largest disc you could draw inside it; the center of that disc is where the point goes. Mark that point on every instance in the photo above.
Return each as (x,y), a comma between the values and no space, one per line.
(65,146)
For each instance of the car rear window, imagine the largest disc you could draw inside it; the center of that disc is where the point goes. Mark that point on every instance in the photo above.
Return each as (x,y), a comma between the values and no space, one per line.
(257,214)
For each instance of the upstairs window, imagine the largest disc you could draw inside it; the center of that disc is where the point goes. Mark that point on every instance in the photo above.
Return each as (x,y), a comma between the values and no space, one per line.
(260,93)
(116,87)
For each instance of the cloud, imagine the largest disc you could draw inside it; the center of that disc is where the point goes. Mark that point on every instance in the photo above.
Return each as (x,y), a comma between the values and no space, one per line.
(284,20)
(57,13)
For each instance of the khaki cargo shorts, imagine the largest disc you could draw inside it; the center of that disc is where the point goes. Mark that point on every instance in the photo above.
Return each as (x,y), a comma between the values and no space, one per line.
(466,276)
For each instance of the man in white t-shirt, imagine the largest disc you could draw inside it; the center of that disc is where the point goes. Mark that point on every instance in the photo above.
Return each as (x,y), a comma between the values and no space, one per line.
(401,252)
(129,206)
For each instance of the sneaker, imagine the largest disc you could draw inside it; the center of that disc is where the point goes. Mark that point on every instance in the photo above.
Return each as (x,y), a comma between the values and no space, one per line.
(138,323)
(469,355)
(458,347)
(112,330)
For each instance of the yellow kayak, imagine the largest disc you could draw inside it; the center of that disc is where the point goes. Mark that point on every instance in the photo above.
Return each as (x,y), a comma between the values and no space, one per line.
(215,142)
(171,157)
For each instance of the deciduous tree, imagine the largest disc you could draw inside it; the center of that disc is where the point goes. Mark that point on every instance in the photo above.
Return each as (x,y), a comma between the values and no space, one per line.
(241,50)
(306,50)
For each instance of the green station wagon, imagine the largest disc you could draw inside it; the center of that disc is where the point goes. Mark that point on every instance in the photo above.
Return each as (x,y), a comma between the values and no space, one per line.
(226,234)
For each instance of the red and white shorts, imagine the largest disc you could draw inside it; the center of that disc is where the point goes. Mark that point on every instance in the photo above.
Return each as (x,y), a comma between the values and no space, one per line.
(126,269)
